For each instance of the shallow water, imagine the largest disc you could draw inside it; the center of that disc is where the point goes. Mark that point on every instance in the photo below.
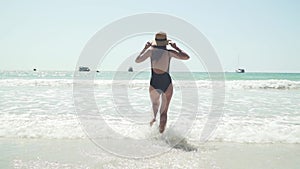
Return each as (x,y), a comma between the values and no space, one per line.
(38,117)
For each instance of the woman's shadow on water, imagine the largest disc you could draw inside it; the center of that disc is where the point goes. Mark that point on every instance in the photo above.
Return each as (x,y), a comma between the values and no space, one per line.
(177,141)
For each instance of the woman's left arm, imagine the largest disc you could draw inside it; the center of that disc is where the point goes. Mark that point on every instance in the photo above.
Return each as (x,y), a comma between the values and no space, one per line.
(144,54)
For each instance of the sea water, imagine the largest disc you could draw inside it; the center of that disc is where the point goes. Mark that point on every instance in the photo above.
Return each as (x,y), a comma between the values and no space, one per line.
(40,127)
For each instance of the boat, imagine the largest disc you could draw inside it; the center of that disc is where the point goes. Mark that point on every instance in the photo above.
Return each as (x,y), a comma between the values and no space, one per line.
(130,69)
(84,69)
(239,70)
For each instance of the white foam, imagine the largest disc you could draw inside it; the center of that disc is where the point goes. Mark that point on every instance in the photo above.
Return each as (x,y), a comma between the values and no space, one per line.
(40,126)
(46,164)
(36,82)
(253,129)
(206,84)
(263,84)
(229,129)
(31,113)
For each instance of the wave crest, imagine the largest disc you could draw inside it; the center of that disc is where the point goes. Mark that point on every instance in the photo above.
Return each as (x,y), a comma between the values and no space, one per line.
(205,84)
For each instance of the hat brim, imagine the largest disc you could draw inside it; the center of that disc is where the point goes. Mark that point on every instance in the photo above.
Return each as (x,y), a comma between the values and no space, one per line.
(160,43)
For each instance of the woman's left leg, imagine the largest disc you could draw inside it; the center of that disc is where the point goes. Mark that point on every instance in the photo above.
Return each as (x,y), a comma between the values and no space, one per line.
(154,96)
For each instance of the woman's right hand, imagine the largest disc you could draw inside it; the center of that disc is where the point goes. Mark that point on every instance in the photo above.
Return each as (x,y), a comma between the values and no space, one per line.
(173,44)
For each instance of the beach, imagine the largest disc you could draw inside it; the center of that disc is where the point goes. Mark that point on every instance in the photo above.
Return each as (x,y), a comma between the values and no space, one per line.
(40,126)
(45,153)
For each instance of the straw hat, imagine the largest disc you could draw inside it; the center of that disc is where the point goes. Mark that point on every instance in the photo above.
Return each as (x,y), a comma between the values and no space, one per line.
(160,39)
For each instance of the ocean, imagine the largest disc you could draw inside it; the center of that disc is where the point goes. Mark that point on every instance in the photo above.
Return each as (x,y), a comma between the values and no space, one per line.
(44,125)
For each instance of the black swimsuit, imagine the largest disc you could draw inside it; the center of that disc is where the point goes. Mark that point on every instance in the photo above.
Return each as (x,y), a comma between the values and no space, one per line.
(161,81)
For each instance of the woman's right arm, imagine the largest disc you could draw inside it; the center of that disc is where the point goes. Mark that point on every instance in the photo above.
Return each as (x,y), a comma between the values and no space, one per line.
(179,54)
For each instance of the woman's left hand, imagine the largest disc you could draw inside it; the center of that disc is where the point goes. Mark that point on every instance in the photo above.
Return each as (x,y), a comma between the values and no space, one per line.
(148,44)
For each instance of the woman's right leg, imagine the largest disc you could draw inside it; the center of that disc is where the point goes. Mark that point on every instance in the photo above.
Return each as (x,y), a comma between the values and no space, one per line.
(166,98)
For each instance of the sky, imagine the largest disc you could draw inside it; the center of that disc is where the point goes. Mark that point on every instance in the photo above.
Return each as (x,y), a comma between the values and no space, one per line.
(50,35)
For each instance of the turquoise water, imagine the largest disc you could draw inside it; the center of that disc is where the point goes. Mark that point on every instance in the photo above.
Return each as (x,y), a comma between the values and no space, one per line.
(109,75)
(37,112)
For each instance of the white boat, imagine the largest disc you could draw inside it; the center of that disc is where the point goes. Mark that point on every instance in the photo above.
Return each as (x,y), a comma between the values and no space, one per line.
(84,69)
(239,70)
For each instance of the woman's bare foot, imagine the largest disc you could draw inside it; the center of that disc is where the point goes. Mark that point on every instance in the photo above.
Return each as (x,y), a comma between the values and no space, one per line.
(152,121)
(161,129)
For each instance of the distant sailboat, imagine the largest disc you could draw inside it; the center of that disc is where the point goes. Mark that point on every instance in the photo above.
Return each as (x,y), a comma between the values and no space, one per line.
(239,70)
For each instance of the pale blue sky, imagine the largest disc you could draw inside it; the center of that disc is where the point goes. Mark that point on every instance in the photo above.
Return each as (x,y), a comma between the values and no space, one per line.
(49,35)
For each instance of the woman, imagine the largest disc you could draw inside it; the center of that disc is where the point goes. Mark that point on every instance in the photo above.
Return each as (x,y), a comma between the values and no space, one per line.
(161,82)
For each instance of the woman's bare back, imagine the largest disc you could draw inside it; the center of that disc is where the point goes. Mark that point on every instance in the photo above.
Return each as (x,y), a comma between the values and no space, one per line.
(160,60)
